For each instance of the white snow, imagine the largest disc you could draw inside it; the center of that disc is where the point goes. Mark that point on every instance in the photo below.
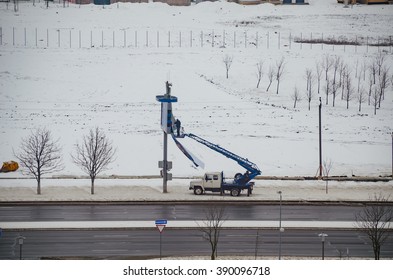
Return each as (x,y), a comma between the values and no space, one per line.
(71,87)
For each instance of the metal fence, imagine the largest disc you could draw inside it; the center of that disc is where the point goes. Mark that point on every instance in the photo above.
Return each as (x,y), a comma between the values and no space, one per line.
(127,38)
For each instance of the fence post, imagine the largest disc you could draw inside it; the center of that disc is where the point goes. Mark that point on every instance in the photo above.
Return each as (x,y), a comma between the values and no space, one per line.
(213,38)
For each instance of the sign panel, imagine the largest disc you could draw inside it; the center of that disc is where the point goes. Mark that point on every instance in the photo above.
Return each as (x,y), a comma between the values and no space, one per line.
(160,224)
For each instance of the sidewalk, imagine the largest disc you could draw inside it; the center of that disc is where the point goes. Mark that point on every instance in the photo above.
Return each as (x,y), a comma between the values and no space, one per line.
(147,190)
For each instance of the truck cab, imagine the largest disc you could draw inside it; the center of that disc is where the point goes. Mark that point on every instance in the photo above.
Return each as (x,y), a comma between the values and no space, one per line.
(212,181)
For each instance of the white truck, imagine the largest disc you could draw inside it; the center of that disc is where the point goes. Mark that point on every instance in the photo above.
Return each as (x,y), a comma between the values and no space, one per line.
(215,182)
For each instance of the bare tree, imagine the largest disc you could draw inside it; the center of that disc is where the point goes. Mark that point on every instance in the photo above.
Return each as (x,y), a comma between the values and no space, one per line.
(270,75)
(310,92)
(40,155)
(379,61)
(327,63)
(94,154)
(296,97)
(228,59)
(348,92)
(343,70)
(373,70)
(280,65)
(361,97)
(259,72)
(327,166)
(328,90)
(374,220)
(383,82)
(374,98)
(308,75)
(370,87)
(215,217)
(318,68)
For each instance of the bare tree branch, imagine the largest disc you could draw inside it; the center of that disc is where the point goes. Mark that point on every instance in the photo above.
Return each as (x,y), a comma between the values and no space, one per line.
(40,155)
(374,220)
(211,227)
(94,154)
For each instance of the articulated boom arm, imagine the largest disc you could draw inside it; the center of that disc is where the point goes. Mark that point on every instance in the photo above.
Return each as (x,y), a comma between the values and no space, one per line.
(251,167)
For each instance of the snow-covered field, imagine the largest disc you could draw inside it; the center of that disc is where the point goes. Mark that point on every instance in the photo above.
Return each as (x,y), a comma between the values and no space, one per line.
(69,87)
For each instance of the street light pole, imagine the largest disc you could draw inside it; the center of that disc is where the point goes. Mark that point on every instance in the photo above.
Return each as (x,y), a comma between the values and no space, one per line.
(20,239)
(280,229)
(323,236)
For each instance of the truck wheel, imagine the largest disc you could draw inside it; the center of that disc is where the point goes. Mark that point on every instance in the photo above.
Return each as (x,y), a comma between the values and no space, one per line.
(235,192)
(198,191)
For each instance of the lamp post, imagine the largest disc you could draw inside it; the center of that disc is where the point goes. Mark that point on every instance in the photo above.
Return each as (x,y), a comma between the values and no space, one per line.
(323,236)
(20,239)
(280,228)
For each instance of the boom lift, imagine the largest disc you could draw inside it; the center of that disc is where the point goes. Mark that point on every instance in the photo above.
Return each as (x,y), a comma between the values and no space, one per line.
(215,181)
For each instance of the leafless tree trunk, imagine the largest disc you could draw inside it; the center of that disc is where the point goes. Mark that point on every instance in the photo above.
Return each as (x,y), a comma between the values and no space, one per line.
(361,97)
(374,220)
(40,155)
(94,154)
(327,166)
(280,65)
(228,63)
(348,93)
(373,70)
(270,75)
(319,75)
(296,97)
(375,98)
(383,81)
(379,61)
(308,76)
(259,72)
(328,90)
(327,63)
(211,227)
(310,92)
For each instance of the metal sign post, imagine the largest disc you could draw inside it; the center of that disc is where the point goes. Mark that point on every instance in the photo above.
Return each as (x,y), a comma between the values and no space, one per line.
(160,224)
(166,101)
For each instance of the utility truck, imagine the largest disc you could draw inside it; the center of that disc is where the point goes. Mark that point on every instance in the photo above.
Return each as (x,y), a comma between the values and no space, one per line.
(215,181)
